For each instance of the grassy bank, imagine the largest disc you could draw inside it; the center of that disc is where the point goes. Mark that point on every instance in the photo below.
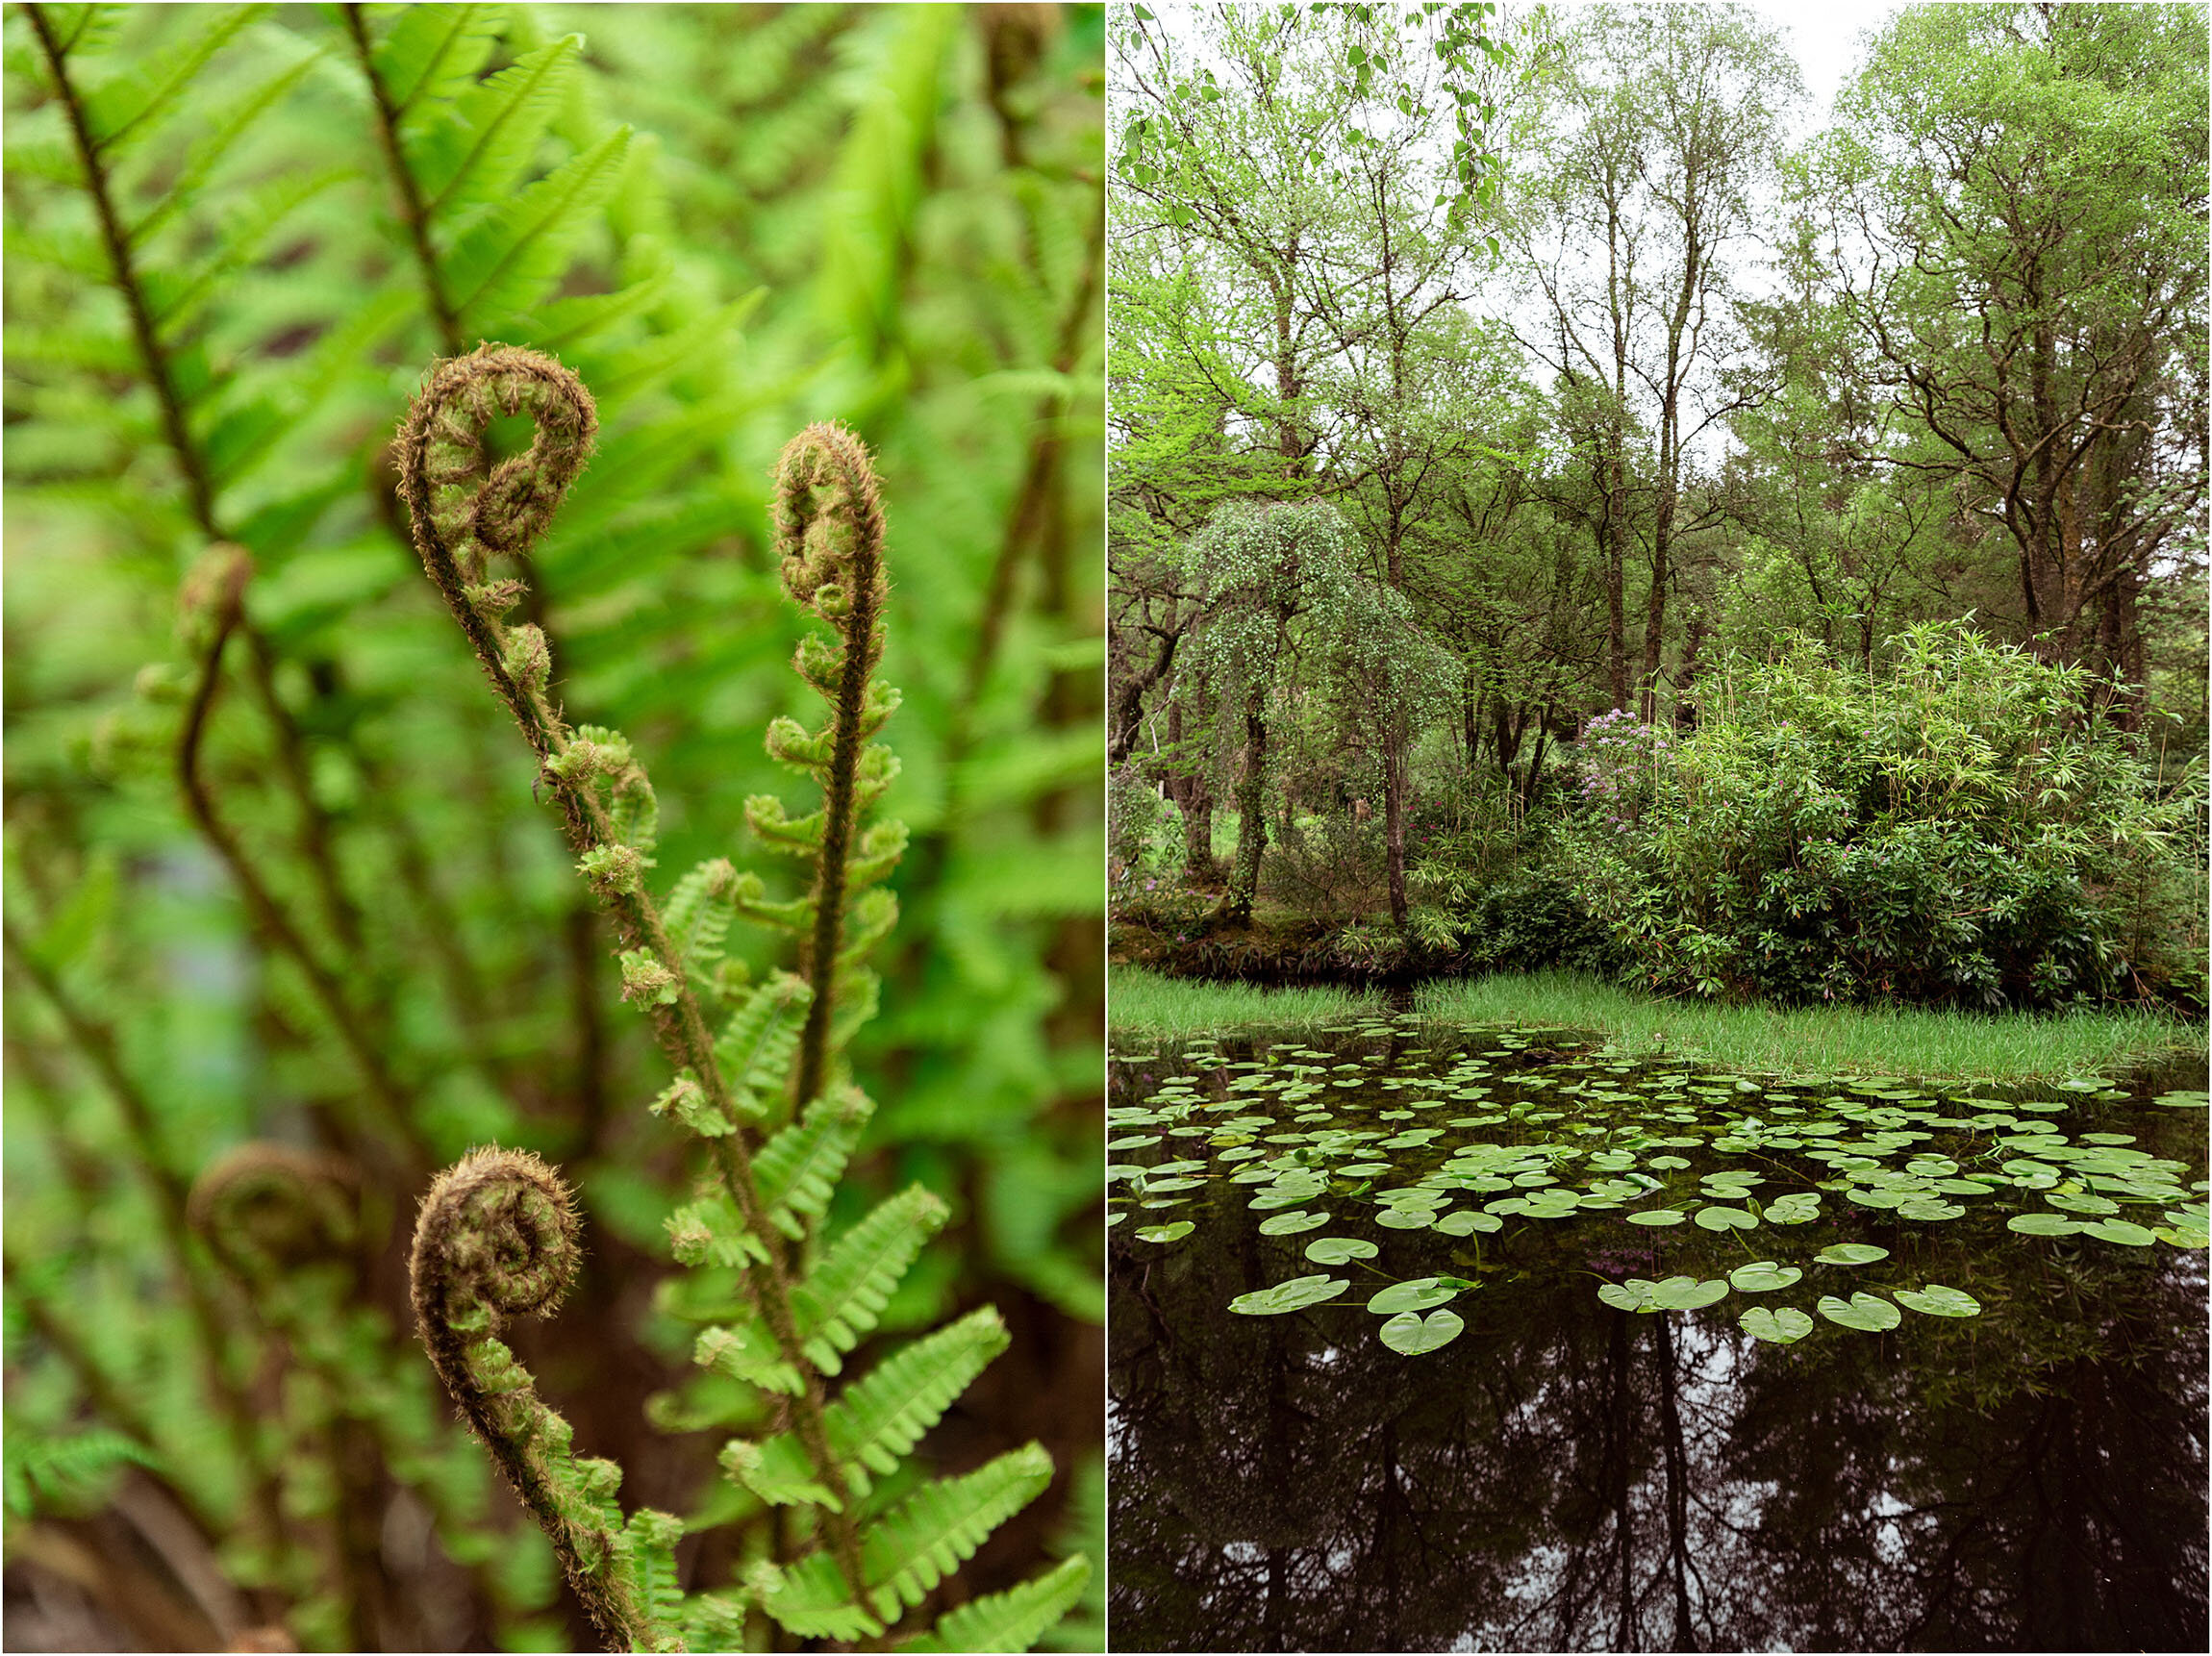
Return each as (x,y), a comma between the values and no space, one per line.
(1821,1041)
(1143,1003)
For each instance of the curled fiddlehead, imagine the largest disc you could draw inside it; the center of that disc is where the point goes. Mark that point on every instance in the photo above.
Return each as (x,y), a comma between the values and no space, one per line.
(829,540)
(465,511)
(808,1295)
(268,1209)
(498,1237)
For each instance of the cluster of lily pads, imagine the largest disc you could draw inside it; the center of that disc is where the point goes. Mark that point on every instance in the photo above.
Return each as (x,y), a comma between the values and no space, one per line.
(1463,1131)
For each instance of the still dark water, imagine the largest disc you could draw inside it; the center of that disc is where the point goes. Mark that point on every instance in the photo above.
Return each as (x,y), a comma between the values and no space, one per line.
(1563,1475)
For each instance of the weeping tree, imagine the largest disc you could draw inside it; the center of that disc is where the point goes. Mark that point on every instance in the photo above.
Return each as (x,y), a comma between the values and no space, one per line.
(1285,599)
(1386,681)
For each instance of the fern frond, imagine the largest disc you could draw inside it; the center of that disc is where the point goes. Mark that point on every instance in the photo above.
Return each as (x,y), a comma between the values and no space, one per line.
(714,1621)
(846,1292)
(224,128)
(128,105)
(795,836)
(647,1551)
(697,915)
(511,258)
(912,1547)
(476,150)
(755,1046)
(1011,1620)
(745,1352)
(432,53)
(43,1470)
(797,1171)
(878,1419)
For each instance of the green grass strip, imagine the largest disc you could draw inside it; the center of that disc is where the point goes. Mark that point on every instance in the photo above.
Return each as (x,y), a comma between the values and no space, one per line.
(1819,1041)
(1140,1002)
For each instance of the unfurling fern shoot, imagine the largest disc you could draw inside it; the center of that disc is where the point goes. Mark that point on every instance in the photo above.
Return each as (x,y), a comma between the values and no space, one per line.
(786,1302)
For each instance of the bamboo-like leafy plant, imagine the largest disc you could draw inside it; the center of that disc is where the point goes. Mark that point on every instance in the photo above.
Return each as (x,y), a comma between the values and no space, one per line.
(784,1300)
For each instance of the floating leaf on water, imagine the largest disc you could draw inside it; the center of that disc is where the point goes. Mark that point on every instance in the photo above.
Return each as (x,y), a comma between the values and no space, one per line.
(1725,1219)
(1656,1217)
(2183,1236)
(1340,1250)
(1465,1223)
(2185,1099)
(1799,1206)
(1928,1210)
(1414,1335)
(1116,1217)
(2079,1202)
(1862,1311)
(1784,1326)
(1674,1293)
(2044,1224)
(1406,1218)
(1937,1301)
(2124,1232)
(1851,1253)
(1420,1294)
(1764,1277)
(1294,1294)
(1182,1183)
(1164,1233)
(1290,1224)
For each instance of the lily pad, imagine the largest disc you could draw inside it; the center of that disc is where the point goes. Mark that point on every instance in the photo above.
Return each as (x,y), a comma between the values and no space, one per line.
(1937,1301)
(1851,1253)
(1465,1223)
(1418,1294)
(1726,1218)
(1294,1294)
(2044,1224)
(1674,1293)
(1656,1217)
(1865,1311)
(1340,1250)
(1764,1277)
(1164,1233)
(1783,1326)
(1414,1335)
(1799,1206)
(1406,1217)
(2124,1232)
(1290,1224)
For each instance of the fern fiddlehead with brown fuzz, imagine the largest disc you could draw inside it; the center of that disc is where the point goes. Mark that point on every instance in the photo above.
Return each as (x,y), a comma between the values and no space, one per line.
(829,535)
(498,1237)
(766,1094)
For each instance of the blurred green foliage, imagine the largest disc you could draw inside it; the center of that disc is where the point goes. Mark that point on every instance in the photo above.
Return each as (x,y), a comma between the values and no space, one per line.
(730,221)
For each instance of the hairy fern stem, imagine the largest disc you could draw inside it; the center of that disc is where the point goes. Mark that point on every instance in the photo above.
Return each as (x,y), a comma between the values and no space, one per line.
(506,509)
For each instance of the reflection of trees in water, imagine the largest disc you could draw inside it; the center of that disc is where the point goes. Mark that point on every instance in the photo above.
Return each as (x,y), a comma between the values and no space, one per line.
(1566,1477)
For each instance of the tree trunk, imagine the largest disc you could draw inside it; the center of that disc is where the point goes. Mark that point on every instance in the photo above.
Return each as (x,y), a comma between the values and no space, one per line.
(1615,547)
(1393,828)
(1251,819)
(1194,797)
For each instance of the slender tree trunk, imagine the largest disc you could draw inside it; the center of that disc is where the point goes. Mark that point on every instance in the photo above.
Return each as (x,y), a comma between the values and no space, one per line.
(1394,827)
(1194,797)
(1251,819)
(1616,559)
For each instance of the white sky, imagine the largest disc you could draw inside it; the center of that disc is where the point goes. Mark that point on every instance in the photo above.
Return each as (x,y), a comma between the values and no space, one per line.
(1824,36)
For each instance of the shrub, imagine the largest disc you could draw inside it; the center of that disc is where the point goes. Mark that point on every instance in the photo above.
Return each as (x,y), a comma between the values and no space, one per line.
(1956,830)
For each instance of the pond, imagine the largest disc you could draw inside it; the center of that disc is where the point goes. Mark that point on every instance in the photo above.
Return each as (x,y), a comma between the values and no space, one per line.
(1444,1339)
